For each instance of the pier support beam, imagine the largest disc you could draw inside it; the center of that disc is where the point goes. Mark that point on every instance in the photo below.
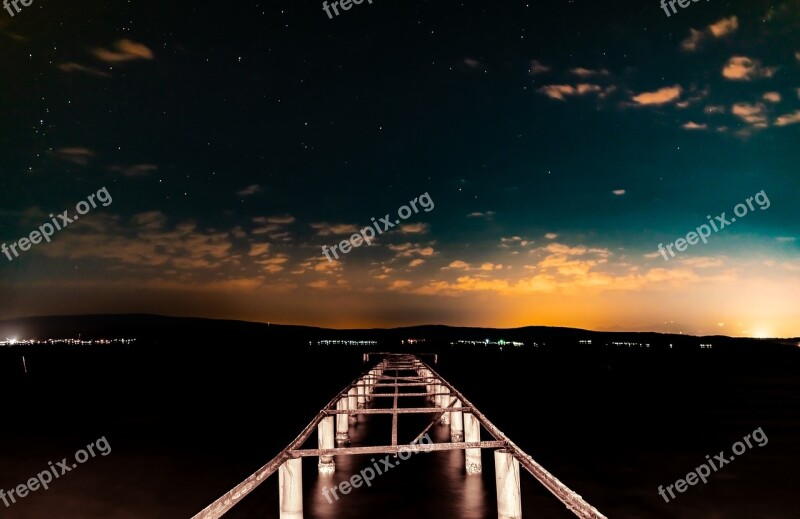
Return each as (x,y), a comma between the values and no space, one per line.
(457,423)
(325,436)
(290,484)
(506,469)
(352,403)
(472,433)
(342,427)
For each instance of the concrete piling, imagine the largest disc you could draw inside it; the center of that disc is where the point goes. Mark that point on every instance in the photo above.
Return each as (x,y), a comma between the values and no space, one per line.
(457,423)
(472,433)
(290,487)
(325,440)
(506,469)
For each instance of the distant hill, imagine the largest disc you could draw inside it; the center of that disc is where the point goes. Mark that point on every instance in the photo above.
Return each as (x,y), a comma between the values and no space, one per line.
(160,329)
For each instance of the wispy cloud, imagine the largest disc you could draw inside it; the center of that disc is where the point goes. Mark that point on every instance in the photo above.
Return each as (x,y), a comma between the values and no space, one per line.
(134,170)
(328,229)
(537,67)
(249,190)
(78,156)
(586,72)
(85,69)
(691,125)
(123,50)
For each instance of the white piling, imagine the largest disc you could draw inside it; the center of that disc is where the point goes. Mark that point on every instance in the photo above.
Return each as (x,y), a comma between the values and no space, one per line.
(352,403)
(342,427)
(325,440)
(472,433)
(290,484)
(444,401)
(457,423)
(509,501)
(362,394)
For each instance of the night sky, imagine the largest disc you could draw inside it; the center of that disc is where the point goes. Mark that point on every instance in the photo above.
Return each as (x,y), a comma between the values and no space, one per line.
(560,142)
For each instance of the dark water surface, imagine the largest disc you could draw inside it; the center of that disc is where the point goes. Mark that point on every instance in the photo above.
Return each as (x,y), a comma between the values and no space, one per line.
(184,429)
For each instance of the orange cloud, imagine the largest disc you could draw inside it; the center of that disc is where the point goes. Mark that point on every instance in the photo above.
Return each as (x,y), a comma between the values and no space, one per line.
(659,97)
(126,50)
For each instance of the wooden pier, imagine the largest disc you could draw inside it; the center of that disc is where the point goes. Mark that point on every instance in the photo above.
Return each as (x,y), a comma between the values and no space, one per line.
(449,406)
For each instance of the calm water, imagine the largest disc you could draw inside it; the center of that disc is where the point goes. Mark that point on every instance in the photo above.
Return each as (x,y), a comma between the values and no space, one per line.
(613,429)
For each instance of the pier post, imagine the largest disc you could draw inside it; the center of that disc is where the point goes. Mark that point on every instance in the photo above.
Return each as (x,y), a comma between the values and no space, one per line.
(352,403)
(444,400)
(325,436)
(342,427)
(506,469)
(290,484)
(362,391)
(457,423)
(472,433)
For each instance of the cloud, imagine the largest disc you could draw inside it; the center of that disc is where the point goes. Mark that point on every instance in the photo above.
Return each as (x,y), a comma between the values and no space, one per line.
(717,29)
(126,50)
(585,72)
(659,97)
(405,250)
(787,119)
(78,156)
(693,41)
(458,264)
(702,262)
(551,236)
(414,228)
(416,262)
(537,68)
(772,97)
(724,26)
(145,242)
(69,67)
(399,284)
(327,229)
(754,114)
(478,214)
(619,192)
(249,190)
(257,249)
(472,63)
(691,125)
(274,264)
(714,109)
(785,239)
(134,170)
(561,92)
(742,68)
(285,219)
